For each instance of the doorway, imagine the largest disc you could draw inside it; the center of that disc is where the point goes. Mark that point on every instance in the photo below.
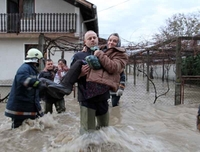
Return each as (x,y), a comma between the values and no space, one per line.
(13,19)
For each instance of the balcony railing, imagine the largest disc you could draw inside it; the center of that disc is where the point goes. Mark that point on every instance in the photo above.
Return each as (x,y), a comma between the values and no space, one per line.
(38,22)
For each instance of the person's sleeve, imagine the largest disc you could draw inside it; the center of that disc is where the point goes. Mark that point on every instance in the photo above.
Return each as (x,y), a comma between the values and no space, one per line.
(40,75)
(24,77)
(122,80)
(121,84)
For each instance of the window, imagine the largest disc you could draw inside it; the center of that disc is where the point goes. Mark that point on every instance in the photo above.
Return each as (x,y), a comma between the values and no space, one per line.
(28,6)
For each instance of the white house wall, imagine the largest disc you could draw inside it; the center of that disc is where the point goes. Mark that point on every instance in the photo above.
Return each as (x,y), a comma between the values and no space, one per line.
(2,6)
(13,56)
(59,6)
(53,6)
(45,6)
(79,22)
(157,71)
(67,57)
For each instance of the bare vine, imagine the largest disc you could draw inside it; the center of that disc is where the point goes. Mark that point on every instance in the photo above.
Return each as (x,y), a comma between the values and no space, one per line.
(155,90)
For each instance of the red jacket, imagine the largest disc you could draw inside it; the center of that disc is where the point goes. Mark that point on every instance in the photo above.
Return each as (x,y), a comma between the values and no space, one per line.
(113,61)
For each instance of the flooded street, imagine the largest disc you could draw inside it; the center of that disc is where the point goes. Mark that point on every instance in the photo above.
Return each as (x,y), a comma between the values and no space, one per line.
(137,125)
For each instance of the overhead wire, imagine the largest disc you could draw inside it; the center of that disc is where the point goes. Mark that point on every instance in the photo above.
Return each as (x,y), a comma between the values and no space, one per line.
(113,6)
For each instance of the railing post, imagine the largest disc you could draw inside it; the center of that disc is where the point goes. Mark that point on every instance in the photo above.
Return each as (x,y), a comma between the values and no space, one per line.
(70,22)
(44,21)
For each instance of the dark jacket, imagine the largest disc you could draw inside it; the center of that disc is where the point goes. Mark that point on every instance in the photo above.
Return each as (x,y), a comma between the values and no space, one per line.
(45,95)
(82,80)
(24,100)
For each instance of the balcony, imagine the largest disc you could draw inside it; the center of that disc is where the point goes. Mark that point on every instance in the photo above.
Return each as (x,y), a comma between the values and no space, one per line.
(38,23)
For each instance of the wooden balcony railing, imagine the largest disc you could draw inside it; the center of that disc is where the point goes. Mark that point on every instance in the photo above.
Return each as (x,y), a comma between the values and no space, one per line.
(38,22)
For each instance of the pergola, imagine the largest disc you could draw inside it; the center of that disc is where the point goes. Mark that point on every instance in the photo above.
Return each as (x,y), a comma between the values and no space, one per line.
(168,52)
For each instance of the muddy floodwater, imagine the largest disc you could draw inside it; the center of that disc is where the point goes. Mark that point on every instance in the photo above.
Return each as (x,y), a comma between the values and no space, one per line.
(136,125)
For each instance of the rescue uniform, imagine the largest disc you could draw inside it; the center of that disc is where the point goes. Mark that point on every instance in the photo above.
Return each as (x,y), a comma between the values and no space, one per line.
(23,101)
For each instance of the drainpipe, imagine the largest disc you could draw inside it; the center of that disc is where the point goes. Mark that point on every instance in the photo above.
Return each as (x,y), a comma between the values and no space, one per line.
(94,7)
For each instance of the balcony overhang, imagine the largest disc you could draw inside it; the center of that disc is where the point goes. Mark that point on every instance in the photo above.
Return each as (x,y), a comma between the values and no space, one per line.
(35,35)
(89,12)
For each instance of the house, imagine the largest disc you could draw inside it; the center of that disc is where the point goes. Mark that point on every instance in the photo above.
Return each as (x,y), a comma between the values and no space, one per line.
(50,25)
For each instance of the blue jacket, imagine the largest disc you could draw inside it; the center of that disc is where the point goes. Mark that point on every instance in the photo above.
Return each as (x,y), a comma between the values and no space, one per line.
(24,100)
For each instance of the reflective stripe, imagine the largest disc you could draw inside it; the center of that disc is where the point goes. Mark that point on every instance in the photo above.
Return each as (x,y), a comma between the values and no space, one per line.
(26,82)
(21,113)
(122,82)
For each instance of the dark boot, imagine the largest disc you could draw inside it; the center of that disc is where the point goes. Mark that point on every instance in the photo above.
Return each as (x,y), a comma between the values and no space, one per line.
(45,83)
(60,106)
(71,77)
(16,123)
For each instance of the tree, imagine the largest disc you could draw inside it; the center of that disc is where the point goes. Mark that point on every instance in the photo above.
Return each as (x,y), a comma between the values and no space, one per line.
(179,25)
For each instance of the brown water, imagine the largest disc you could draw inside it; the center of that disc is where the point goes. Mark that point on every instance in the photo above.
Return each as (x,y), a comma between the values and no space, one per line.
(137,125)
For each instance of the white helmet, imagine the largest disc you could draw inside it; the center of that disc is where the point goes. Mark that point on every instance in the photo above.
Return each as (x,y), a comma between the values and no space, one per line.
(33,55)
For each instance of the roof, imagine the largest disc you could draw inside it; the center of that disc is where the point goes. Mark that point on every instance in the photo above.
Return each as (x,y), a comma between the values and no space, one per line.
(89,12)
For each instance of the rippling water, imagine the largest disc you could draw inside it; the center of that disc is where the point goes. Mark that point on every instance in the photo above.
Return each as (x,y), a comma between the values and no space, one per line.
(137,125)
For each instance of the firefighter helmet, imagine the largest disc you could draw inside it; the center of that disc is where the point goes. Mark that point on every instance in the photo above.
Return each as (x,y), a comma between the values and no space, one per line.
(34,53)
